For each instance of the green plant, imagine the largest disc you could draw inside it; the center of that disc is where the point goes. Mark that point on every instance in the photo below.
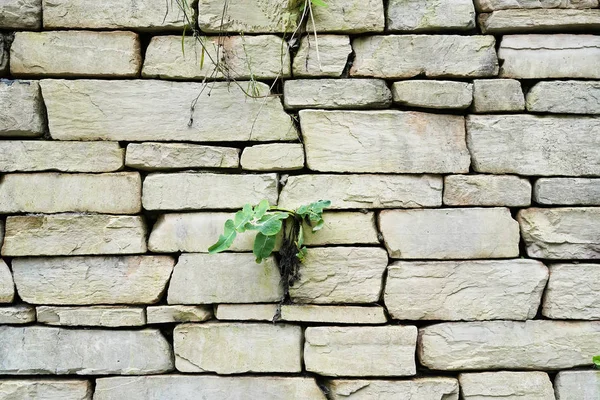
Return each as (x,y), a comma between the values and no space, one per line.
(596,360)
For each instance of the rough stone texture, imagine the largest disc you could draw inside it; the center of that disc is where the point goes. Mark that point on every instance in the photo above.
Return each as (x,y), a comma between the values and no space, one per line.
(577,385)
(7,286)
(14,315)
(336,94)
(465,290)
(384,141)
(169,156)
(491,5)
(232,348)
(420,388)
(170,314)
(193,387)
(35,155)
(340,275)
(343,228)
(543,345)
(75,53)
(458,233)
(330,61)
(561,233)
(112,110)
(21,14)
(5,41)
(573,292)
(521,21)
(430,15)
(91,316)
(117,193)
(273,157)
(92,280)
(532,145)
(567,191)
(433,94)
(550,56)
(241,57)
(224,278)
(487,190)
(506,385)
(349,16)
(45,350)
(564,97)
(207,191)
(496,95)
(47,389)
(363,191)
(439,56)
(360,351)
(21,113)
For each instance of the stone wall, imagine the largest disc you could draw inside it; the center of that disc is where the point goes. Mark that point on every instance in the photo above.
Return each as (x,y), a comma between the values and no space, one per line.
(459,144)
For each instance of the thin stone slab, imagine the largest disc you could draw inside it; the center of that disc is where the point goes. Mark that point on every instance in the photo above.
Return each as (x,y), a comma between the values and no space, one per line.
(530,345)
(16,315)
(433,94)
(92,280)
(522,21)
(384,141)
(170,156)
(273,157)
(349,16)
(453,233)
(492,5)
(420,388)
(112,110)
(567,191)
(565,97)
(36,350)
(573,292)
(21,15)
(336,94)
(463,56)
(22,111)
(330,61)
(173,314)
(497,95)
(506,385)
(487,190)
(109,316)
(233,348)
(561,233)
(7,286)
(48,389)
(430,15)
(577,385)
(360,351)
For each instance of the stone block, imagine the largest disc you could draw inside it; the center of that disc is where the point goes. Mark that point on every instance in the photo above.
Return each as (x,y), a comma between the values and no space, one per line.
(505,384)
(273,157)
(109,316)
(564,97)
(16,315)
(487,190)
(172,156)
(22,112)
(567,191)
(433,94)
(535,21)
(349,16)
(420,388)
(492,5)
(49,389)
(7,286)
(329,61)
(336,94)
(430,15)
(21,15)
(497,95)
(343,228)
(577,385)
(172,314)
(573,292)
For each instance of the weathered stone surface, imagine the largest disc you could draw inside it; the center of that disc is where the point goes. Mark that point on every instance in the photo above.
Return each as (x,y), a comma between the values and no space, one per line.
(577,385)
(349,16)
(487,190)
(4,47)
(491,5)
(47,350)
(341,275)
(48,389)
(363,191)
(170,314)
(465,290)
(231,348)
(344,228)
(532,145)
(224,278)
(430,15)
(567,191)
(207,191)
(241,57)
(7,286)
(506,385)
(336,93)
(21,14)
(76,53)
(561,233)
(550,56)
(116,193)
(111,110)
(193,387)
(433,94)
(493,95)
(573,292)
(92,280)
(384,141)
(518,21)
(360,351)
(452,233)
(442,56)
(22,112)
(14,315)
(38,155)
(420,388)
(330,61)
(543,345)
(167,156)
(565,97)
(91,316)
(273,157)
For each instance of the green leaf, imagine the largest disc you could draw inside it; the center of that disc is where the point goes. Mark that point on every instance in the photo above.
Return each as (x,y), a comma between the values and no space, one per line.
(319,225)
(301,254)
(261,209)
(313,211)
(318,3)
(300,241)
(242,217)
(263,246)
(183,40)
(596,360)
(225,240)
(270,224)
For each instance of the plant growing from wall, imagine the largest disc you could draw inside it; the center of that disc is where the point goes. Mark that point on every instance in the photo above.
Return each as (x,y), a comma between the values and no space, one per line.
(596,360)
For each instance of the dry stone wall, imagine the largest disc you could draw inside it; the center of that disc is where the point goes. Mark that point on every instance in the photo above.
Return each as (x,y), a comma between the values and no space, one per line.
(459,144)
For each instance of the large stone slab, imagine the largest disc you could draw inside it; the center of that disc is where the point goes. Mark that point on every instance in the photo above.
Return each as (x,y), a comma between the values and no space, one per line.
(111,110)
(567,191)
(232,348)
(573,292)
(491,5)
(363,191)
(564,97)
(110,316)
(384,141)
(7,286)
(521,21)
(224,278)
(171,314)
(22,111)
(430,15)
(507,385)
(465,290)
(170,156)
(433,94)
(49,389)
(497,95)
(549,56)
(332,275)
(532,145)
(453,233)
(360,351)
(336,93)
(577,385)
(16,315)
(329,61)
(561,233)
(487,190)
(36,350)
(92,280)
(542,345)
(439,56)
(273,157)
(349,16)
(21,14)
(420,388)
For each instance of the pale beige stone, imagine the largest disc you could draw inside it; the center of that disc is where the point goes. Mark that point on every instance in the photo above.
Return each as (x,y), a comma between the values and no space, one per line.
(420,388)
(548,20)
(170,314)
(329,61)
(21,14)
(573,292)
(343,228)
(47,389)
(577,385)
(430,15)
(506,385)
(567,191)
(497,95)
(491,5)
(167,156)
(349,16)
(273,157)
(15,315)
(109,316)
(565,97)
(433,94)
(22,112)
(487,190)
(7,286)
(336,93)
